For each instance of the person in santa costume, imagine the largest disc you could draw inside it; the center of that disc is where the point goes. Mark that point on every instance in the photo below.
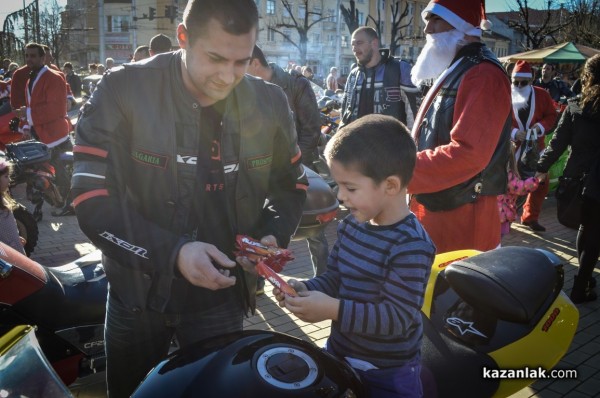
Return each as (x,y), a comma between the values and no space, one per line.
(462,129)
(534,115)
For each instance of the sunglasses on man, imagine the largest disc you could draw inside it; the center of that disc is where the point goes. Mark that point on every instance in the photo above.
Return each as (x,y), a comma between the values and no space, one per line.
(520,83)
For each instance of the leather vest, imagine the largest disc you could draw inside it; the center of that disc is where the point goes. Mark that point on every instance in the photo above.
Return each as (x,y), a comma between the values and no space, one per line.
(435,131)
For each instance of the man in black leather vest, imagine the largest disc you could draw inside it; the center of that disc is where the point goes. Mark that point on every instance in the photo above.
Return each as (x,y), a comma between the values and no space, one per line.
(462,130)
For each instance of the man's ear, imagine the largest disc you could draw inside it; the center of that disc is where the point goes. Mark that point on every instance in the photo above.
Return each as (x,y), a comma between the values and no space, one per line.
(182,36)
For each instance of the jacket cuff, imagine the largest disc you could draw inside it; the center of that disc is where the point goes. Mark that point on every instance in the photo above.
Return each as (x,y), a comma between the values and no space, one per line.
(513,134)
(542,129)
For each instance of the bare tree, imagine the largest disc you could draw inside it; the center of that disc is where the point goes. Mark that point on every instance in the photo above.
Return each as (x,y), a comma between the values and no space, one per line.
(350,16)
(398,26)
(537,26)
(302,24)
(51,23)
(585,26)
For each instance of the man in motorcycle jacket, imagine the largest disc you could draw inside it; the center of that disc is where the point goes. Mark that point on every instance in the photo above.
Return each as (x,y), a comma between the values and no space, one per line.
(378,83)
(173,158)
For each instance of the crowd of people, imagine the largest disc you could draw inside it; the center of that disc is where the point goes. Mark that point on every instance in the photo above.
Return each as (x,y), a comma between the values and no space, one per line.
(164,197)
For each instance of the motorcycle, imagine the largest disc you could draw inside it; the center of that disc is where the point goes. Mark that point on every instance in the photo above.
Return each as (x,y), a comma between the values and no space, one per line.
(502,309)
(31,163)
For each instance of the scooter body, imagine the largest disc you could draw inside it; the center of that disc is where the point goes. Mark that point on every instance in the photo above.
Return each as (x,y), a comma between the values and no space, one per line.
(502,309)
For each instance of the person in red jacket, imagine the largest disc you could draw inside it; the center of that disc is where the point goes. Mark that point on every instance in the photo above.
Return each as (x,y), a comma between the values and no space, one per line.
(462,130)
(17,87)
(534,115)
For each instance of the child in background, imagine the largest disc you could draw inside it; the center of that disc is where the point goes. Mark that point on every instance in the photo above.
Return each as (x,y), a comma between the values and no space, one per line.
(378,269)
(9,233)
(507,203)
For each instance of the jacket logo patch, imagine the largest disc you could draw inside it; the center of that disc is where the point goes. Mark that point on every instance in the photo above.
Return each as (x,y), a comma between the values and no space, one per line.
(151,159)
(137,250)
(258,162)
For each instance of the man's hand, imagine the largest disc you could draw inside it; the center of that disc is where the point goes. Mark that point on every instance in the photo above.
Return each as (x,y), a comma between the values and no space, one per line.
(313,306)
(248,265)
(520,135)
(198,262)
(21,112)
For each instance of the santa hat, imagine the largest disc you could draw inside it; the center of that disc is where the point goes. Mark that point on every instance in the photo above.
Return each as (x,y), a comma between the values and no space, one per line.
(467,16)
(522,69)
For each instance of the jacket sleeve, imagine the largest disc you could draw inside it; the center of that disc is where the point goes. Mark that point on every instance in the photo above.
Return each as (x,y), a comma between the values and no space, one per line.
(99,186)
(308,118)
(288,182)
(559,142)
(50,102)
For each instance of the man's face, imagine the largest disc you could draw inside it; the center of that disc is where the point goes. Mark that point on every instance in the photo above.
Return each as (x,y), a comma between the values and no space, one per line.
(363,48)
(216,62)
(435,24)
(33,59)
(547,72)
(67,70)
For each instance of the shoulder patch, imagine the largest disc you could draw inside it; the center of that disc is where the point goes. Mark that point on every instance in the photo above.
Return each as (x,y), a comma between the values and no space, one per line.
(260,161)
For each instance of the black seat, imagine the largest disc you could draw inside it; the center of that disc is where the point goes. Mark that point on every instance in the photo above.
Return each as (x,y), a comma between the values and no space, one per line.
(75,295)
(509,282)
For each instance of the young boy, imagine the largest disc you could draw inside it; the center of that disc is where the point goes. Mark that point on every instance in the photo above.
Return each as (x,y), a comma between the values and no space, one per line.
(378,269)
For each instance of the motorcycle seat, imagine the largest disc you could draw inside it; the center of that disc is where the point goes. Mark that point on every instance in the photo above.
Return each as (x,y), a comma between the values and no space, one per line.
(74,295)
(511,283)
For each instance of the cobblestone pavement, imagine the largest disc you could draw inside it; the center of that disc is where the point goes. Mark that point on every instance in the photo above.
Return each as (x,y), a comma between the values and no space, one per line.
(61,241)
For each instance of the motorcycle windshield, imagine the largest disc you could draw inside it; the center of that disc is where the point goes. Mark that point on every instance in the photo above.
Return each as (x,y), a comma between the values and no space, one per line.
(24,370)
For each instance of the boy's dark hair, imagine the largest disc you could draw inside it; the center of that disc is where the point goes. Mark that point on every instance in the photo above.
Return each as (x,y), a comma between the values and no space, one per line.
(377,146)
(68,65)
(236,17)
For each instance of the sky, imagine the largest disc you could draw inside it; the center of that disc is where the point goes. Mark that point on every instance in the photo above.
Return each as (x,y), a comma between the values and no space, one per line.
(9,6)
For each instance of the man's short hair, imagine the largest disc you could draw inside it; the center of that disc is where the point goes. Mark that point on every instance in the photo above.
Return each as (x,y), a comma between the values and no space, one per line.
(68,65)
(369,31)
(236,17)
(160,44)
(39,47)
(259,55)
(332,69)
(377,146)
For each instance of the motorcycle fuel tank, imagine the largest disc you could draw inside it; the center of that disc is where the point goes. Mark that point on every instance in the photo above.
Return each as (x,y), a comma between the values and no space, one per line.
(250,364)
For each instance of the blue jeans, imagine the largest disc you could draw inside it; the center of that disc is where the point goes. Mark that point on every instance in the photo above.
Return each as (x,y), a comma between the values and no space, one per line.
(319,252)
(404,381)
(135,342)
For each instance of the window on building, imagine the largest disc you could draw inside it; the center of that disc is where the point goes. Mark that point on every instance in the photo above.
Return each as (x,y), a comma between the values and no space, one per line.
(287,33)
(301,11)
(270,35)
(332,15)
(118,23)
(382,5)
(271,7)
(316,38)
(344,41)
(316,13)
(361,18)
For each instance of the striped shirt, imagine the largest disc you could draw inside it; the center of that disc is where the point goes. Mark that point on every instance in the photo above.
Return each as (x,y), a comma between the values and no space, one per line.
(379,274)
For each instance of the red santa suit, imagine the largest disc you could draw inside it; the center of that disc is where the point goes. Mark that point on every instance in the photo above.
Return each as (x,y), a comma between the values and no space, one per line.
(47,107)
(482,105)
(543,115)
(17,86)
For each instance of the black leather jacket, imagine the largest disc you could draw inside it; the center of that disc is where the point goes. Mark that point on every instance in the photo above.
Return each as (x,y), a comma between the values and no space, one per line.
(306,113)
(130,197)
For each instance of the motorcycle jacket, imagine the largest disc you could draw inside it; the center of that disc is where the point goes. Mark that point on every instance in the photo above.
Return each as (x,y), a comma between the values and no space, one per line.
(389,90)
(435,129)
(134,187)
(303,103)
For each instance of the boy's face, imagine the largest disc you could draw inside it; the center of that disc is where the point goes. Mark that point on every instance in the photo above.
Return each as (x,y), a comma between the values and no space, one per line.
(366,200)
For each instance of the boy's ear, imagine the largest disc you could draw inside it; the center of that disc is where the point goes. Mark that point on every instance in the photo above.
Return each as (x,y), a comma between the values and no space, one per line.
(393,185)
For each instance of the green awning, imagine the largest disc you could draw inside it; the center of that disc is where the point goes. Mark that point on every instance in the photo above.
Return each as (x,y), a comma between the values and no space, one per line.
(559,53)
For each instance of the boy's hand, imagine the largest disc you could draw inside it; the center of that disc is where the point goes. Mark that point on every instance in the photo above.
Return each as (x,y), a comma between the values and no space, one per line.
(295,284)
(313,306)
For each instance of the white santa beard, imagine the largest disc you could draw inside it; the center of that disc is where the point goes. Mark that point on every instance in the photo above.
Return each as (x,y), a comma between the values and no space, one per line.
(520,96)
(438,53)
